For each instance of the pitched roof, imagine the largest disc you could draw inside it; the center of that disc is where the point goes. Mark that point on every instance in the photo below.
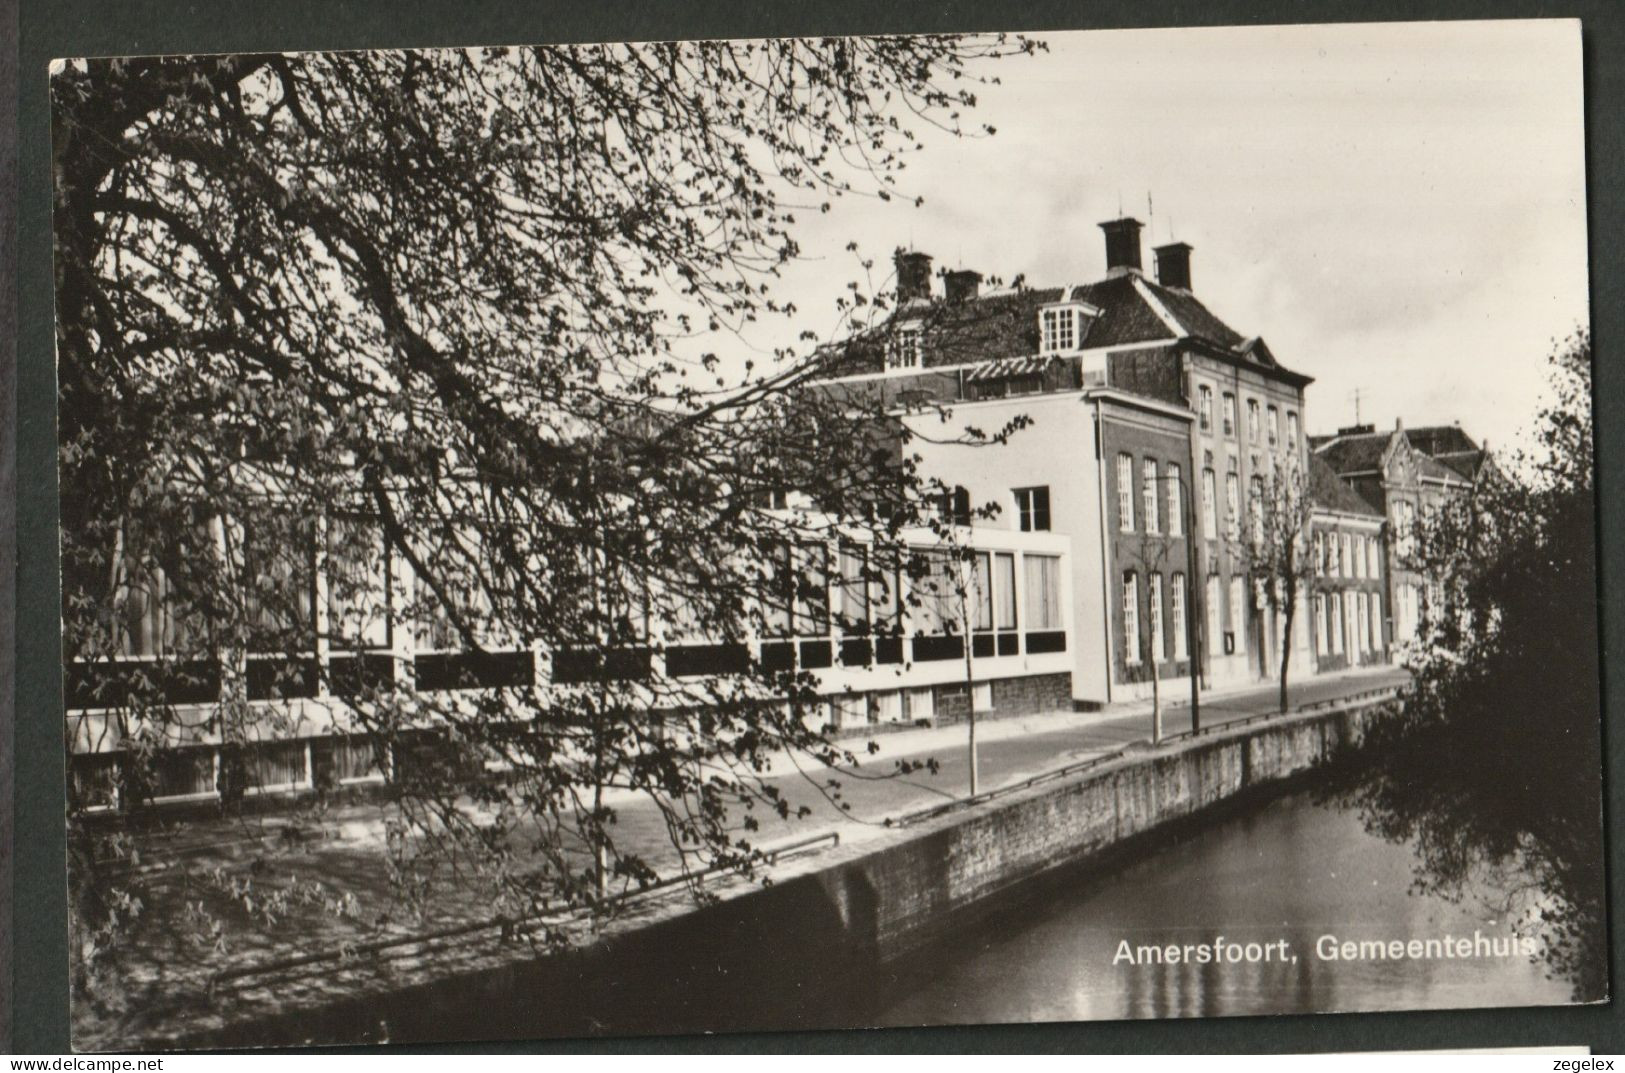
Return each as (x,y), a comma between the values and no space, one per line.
(1328,491)
(1358,453)
(1439,440)
(1435,469)
(1127,308)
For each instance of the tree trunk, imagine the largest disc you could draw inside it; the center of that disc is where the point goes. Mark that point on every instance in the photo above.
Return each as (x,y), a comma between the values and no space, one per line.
(1156,703)
(1286,653)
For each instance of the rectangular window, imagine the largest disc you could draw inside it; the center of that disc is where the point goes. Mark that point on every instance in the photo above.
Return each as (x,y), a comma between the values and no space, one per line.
(1204,395)
(1229,415)
(1320,554)
(1255,509)
(812,590)
(936,597)
(1153,523)
(1376,621)
(1176,513)
(1004,589)
(1362,627)
(903,349)
(1060,330)
(852,590)
(1176,607)
(1154,601)
(1214,622)
(1275,426)
(357,583)
(1125,493)
(1131,618)
(1359,556)
(982,591)
(1238,608)
(1292,429)
(1252,420)
(1322,645)
(1337,623)
(1232,505)
(1043,591)
(1032,508)
(1371,557)
(1347,551)
(1210,516)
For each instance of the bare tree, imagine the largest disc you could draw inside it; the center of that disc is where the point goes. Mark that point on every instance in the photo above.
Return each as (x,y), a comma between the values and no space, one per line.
(1273,547)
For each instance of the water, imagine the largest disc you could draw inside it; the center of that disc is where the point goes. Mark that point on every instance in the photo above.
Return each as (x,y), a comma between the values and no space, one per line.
(1290,870)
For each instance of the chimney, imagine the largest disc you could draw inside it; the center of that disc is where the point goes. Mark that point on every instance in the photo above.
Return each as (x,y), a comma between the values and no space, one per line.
(962,285)
(1122,245)
(913,276)
(1174,265)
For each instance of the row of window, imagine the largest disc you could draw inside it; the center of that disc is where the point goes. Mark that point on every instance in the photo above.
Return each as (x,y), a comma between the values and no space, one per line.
(1258,426)
(1348,622)
(1158,650)
(1346,555)
(809,590)
(1157,487)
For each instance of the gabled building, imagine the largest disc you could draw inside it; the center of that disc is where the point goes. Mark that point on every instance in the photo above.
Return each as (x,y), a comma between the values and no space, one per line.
(1148,421)
(1347,613)
(1403,474)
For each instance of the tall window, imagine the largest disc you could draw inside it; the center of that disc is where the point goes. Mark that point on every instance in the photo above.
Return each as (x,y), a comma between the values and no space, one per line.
(1043,591)
(852,590)
(1371,557)
(1275,426)
(1255,509)
(935,604)
(1232,505)
(1060,329)
(1153,523)
(1337,623)
(1204,410)
(1176,607)
(1359,556)
(1322,641)
(1320,553)
(981,594)
(903,349)
(1210,517)
(1238,610)
(357,583)
(1154,599)
(1176,516)
(1252,420)
(1005,591)
(1362,627)
(1125,493)
(1215,625)
(1131,617)
(1292,429)
(1376,621)
(1032,508)
(1347,552)
(1229,414)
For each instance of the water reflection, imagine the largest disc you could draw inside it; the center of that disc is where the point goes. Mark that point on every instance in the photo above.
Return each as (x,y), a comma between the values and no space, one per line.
(1291,870)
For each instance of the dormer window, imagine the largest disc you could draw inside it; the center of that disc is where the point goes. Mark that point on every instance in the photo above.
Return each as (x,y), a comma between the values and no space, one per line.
(903,349)
(1059,329)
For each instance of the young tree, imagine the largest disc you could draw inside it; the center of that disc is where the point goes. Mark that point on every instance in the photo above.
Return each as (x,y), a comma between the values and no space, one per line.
(353,344)
(1273,548)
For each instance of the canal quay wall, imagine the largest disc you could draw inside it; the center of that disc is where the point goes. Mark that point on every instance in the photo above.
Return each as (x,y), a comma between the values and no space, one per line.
(836,929)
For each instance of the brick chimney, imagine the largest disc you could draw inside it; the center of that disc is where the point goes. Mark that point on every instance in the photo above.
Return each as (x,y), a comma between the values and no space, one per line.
(913,275)
(1174,265)
(1122,244)
(962,285)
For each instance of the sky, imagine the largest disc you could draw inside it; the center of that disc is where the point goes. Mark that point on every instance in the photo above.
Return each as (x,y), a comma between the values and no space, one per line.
(1397,209)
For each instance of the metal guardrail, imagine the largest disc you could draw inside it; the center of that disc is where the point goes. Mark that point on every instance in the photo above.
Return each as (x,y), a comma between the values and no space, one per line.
(1077,767)
(505,925)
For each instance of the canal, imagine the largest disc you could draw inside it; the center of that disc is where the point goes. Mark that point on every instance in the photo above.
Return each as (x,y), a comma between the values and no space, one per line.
(1290,870)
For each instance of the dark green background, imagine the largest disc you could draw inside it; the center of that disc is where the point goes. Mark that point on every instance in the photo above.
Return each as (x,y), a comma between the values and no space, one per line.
(51,28)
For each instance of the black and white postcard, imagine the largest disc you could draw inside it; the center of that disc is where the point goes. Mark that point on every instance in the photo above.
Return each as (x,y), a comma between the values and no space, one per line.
(740,535)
